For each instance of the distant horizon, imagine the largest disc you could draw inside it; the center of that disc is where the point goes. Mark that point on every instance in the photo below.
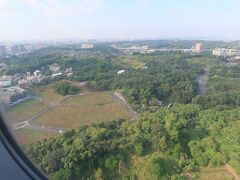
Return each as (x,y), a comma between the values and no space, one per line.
(91,40)
(122,20)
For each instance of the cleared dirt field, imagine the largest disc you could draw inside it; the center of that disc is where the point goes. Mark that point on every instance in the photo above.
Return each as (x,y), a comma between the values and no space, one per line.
(24,110)
(72,117)
(28,136)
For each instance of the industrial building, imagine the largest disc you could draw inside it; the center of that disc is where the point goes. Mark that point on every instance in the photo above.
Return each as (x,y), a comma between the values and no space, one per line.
(11,94)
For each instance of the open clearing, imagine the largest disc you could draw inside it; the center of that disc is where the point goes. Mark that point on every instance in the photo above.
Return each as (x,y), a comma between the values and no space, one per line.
(134,62)
(90,99)
(221,84)
(24,110)
(27,136)
(47,93)
(236,166)
(213,174)
(65,113)
(203,61)
(72,117)
(138,166)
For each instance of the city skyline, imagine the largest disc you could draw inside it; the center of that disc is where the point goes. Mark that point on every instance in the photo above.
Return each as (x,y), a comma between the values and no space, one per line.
(119,20)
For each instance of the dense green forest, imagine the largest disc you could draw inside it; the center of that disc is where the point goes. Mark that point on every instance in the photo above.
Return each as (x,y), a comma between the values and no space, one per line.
(170,80)
(171,141)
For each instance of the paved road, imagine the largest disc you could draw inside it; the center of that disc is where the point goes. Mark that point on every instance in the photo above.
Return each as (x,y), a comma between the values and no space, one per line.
(202,81)
(117,96)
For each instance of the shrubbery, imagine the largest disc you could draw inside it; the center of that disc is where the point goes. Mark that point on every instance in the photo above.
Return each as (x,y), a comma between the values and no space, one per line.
(65,88)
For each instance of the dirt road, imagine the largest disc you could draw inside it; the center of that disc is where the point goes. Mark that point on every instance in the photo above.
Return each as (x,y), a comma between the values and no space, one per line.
(126,106)
(231,171)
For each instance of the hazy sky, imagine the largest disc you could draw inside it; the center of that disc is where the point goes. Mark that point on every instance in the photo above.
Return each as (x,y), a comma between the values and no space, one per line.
(119,19)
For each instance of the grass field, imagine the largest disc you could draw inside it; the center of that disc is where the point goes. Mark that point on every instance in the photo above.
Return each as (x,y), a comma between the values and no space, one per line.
(138,164)
(89,99)
(24,110)
(47,93)
(72,117)
(27,136)
(134,61)
(210,62)
(221,84)
(212,174)
(236,166)
(74,111)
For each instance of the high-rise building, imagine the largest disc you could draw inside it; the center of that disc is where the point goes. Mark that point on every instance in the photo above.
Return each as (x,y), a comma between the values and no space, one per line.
(198,47)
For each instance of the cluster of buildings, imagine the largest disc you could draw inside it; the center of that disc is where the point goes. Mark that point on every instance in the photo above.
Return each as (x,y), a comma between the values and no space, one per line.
(231,54)
(9,92)
(134,49)
(19,49)
(12,94)
(198,48)
(12,88)
(28,79)
(86,46)
(55,68)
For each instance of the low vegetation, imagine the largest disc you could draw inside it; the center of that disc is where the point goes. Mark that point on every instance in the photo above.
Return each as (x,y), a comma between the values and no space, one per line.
(28,136)
(74,116)
(80,110)
(24,110)
(65,88)
(212,174)
(47,92)
(90,99)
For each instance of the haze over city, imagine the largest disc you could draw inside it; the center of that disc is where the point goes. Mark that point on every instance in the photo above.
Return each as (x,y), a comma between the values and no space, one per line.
(102,19)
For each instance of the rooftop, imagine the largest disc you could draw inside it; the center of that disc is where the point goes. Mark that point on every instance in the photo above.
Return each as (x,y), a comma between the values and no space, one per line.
(11,91)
